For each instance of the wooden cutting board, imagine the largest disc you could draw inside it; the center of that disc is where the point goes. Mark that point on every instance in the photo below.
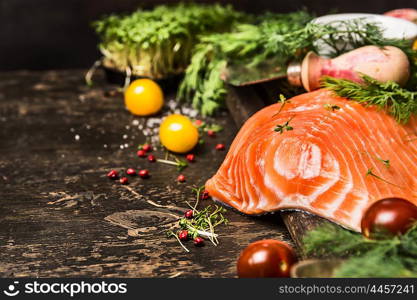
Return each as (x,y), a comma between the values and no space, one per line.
(243,102)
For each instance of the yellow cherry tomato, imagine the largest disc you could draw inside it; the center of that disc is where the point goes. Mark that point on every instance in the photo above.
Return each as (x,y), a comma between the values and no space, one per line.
(144,97)
(178,134)
(415,45)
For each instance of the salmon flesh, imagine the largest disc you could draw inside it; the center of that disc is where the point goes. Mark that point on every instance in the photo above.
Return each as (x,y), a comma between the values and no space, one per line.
(319,153)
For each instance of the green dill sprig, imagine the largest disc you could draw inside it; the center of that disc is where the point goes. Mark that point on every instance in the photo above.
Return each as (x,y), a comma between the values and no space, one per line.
(398,102)
(392,257)
(284,127)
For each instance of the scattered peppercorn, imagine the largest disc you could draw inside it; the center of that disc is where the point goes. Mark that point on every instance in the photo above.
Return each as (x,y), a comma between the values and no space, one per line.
(141,153)
(146,147)
(205,195)
(131,172)
(198,241)
(211,133)
(198,123)
(181,178)
(183,235)
(113,174)
(220,147)
(151,158)
(189,214)
(124,180)
(144,173)
(190,157)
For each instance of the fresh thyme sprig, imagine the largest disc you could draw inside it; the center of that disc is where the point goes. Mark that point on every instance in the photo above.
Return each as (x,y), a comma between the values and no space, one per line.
(283,100)
(393,257)
(386,162)
(180,164)
(370,172)
(284,127)
(398,102)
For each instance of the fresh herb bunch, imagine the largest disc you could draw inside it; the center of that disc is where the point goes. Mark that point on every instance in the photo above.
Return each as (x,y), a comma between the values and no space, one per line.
(285,37)
(392,257)
(248,44)
(398,102)
(159,42)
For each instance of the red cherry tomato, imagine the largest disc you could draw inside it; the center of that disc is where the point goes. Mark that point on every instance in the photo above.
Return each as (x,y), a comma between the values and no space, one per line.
(388,217)
(266,258)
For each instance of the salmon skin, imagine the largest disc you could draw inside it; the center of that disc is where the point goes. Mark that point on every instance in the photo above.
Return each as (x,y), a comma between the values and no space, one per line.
(333,158)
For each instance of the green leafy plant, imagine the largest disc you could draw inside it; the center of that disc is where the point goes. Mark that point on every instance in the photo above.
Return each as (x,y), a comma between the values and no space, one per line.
(391,257)
(159,42)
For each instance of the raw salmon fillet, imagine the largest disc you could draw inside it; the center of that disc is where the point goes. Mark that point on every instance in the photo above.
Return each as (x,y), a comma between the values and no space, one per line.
(321,165)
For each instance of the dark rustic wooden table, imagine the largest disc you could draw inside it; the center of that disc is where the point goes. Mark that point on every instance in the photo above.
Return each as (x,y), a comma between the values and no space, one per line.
(59,214)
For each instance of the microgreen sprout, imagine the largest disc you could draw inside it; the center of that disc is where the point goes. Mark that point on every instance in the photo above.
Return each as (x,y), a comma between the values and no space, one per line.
(203,222)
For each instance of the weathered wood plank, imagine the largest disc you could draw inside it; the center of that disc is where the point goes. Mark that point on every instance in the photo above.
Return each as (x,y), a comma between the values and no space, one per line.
(59,214)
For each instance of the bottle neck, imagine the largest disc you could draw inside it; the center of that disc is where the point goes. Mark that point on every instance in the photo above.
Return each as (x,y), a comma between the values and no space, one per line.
(294,73)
